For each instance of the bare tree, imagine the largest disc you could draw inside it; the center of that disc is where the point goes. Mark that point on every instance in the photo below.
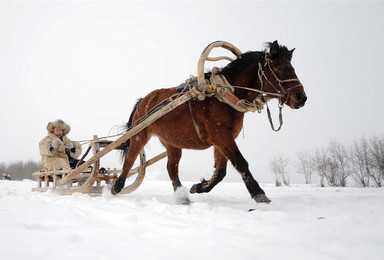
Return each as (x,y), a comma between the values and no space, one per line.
(339,164)
(305,165)
(361,162)
(321,164)
(3,167)
(376,150)
(279,166)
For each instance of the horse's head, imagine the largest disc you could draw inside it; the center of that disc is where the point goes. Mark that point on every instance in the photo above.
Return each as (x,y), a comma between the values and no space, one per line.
(278,77)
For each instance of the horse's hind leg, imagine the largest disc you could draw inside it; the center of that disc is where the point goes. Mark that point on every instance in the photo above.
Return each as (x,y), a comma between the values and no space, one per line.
(137,143)
(218,176)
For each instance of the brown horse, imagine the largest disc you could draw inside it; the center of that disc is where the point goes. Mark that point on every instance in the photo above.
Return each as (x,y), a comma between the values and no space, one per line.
(202,124)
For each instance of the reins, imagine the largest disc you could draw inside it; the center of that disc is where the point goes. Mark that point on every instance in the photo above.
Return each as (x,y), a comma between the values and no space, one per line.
(160,105)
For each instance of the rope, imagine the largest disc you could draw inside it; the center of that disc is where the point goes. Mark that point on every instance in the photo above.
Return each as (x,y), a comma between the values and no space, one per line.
(280,118)
(84,142)
(197,129)
(139,120)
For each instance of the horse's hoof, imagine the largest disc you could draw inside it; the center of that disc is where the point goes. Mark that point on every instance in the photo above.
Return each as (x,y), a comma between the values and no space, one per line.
(185,202)
(117,186)
(181,196)
(115,190)
(261,198)
(193,189)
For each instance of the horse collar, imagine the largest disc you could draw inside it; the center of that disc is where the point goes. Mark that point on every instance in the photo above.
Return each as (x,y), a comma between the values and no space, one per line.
(225,93)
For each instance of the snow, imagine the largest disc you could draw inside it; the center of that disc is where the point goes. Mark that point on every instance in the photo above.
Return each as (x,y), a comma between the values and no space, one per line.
(302,222)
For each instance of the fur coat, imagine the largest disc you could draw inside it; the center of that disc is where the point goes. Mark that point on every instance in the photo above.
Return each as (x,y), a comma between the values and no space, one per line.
(57,158)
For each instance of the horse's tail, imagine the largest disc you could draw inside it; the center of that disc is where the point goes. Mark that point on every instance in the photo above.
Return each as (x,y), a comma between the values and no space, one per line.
(125,146)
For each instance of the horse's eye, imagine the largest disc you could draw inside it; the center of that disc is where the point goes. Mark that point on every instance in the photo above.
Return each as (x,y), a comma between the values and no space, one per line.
(280,68)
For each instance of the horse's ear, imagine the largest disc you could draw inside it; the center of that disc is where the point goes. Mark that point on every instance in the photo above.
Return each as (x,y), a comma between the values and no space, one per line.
(274,49)
(291,52)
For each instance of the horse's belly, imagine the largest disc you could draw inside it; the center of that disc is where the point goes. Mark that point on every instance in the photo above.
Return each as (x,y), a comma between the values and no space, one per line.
(180,133)
(184,143)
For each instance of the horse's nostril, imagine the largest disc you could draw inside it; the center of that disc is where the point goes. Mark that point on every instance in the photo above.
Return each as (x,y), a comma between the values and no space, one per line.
(300,97)
(303,99)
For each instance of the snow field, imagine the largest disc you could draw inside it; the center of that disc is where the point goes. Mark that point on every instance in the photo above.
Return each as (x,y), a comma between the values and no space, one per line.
(302,222)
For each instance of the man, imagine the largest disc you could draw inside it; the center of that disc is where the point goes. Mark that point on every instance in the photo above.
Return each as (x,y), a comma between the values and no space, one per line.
(56,149)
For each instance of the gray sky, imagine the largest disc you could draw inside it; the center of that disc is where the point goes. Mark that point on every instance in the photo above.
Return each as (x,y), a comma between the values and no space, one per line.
(88,62)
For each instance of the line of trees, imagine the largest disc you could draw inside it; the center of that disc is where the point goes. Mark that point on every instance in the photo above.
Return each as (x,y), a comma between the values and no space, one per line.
(19,170)
(338,164)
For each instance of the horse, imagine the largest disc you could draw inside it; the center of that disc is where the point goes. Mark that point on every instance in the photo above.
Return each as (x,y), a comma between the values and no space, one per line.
(200,124)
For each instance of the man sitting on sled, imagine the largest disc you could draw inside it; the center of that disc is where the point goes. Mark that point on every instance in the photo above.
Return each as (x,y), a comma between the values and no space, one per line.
(56,149)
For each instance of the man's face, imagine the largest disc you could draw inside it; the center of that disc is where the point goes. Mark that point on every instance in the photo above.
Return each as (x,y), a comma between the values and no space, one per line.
(58,132)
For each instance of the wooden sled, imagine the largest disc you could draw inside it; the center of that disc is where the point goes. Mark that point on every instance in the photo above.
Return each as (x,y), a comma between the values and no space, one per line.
(87,178)
(91,179)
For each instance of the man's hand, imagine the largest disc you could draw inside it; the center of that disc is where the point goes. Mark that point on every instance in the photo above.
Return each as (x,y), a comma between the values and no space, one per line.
(54,145)
(69,145)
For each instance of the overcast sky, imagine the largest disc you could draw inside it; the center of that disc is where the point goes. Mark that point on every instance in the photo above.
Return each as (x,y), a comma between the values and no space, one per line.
(88,62)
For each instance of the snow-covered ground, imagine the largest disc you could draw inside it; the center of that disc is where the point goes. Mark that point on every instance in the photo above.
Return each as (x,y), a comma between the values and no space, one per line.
(302,222)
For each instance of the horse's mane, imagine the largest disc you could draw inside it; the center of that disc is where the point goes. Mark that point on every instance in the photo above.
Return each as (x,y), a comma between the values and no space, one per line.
(249,61)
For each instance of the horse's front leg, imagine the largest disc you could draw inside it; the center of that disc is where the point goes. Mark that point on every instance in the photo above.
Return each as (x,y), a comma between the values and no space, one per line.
(227,145)
(181,194)
(174,156)
(218,176)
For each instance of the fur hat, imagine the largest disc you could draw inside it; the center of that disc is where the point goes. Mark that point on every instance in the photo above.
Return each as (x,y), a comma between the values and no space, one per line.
(58,124)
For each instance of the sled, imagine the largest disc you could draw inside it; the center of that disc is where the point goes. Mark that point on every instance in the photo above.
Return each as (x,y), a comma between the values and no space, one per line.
(89,178)
(92,179)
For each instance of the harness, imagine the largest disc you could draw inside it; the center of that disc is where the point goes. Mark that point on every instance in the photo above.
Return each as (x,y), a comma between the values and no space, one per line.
(219,87)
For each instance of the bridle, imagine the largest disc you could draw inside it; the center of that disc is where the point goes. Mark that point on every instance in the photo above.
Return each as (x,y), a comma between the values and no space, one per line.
(280,91)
